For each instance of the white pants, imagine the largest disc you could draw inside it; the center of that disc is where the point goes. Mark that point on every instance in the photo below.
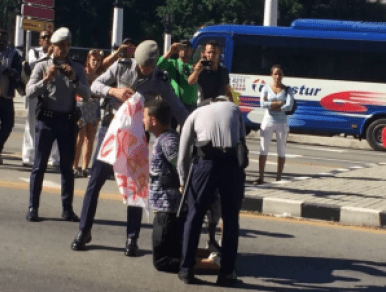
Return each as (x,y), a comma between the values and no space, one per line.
(28,148)
(266,132)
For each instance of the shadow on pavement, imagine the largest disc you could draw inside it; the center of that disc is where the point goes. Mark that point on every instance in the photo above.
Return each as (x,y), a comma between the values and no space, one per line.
(250,233)
(119,223)
(305,273)
(141,252)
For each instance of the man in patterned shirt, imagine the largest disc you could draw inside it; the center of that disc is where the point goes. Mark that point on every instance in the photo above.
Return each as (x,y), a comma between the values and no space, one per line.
(164,196)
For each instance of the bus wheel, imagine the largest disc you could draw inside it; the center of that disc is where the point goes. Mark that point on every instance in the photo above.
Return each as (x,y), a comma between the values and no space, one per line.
(374,134)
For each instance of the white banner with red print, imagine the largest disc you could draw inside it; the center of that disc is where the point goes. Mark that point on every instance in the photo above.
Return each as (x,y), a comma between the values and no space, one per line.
(126,148)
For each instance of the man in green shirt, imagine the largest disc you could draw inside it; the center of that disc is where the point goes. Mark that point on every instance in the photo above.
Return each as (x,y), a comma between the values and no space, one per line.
(179,71)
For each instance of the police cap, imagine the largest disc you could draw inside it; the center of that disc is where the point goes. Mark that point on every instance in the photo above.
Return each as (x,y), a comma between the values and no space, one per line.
(147,53)
(61,34)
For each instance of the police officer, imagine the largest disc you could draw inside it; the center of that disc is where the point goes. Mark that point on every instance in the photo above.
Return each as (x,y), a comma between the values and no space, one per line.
(55,80)
(216,129)
(131,75)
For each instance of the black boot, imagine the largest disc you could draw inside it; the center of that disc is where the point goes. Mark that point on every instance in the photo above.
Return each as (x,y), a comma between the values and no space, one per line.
(131,248)
(32,215)
(80,241)
(69,215)
(226,280)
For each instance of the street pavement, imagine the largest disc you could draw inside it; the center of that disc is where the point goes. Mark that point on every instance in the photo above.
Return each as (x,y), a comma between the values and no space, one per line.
(354,195)
(275,254)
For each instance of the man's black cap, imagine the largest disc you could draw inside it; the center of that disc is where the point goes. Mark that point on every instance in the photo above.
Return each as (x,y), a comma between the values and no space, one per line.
(127,40)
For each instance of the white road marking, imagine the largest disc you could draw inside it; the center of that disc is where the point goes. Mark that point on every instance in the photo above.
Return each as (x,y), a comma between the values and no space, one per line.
(322,149)
(257,161)
(46,183)
(275,154)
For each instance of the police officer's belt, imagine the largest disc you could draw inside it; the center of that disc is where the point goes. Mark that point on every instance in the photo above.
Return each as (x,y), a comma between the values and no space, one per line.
(171,181)
(207,151)
(47,114)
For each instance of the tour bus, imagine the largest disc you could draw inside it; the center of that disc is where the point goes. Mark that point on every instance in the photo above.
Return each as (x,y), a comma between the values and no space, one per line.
(336,70)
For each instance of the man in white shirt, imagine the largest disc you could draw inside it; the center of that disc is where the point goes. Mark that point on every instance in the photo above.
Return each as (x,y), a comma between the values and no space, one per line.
(28,149)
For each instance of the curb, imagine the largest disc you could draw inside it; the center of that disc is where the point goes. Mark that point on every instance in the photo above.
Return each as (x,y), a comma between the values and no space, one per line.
(280,207)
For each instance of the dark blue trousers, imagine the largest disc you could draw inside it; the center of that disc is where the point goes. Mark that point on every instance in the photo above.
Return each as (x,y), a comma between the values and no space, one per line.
(208,175)
(48,130)
(100,171)
(7,119)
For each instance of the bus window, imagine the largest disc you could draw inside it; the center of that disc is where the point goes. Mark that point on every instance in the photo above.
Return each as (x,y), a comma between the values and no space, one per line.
(328,59)
(257,54)
(373,62)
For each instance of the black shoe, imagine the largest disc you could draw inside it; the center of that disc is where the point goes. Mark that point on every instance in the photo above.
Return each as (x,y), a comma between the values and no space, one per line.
(32,215)
(186,276)
(70,216)
(85,173)
(131,249)
(226,280)
(80,241)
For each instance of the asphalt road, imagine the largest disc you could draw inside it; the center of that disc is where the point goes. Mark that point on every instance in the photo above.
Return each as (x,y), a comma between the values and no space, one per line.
(275,254)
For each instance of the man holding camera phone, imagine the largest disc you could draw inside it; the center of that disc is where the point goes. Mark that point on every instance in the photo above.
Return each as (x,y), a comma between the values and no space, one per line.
(55,81)
(178,72)
(211,76)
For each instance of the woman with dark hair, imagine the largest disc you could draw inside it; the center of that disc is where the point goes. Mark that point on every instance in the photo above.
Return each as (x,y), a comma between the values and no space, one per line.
(90,115)
(276,99)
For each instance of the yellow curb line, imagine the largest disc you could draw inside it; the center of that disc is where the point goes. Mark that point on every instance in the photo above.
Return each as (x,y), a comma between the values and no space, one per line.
(56,190)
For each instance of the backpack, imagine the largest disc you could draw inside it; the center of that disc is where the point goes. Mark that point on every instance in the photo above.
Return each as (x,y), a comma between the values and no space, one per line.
(294,106)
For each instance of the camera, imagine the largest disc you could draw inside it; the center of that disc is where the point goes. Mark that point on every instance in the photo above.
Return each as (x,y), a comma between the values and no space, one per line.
(207,64)
(62,70)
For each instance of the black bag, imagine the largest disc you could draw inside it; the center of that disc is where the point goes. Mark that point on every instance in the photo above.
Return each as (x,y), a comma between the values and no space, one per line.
(242,154)
(294,106)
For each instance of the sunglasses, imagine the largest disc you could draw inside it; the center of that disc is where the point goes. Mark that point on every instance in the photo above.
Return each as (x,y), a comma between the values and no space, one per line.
(45,36)
(95,51)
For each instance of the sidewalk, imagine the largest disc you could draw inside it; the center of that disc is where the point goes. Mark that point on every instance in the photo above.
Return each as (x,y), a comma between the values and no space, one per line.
(353,196)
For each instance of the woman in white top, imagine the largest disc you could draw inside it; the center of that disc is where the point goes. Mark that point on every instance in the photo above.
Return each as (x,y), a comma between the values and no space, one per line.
(276,99)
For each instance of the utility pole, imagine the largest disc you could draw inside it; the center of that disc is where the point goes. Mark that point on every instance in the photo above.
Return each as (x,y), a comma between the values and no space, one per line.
(168,24)
(270,13)
(116,38)
(19,32)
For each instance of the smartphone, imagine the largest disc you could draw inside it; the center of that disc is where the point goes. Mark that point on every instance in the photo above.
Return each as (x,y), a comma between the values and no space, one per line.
(206,64)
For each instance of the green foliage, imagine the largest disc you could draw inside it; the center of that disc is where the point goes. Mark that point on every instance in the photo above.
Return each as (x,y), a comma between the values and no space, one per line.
(190,15)
(91,20)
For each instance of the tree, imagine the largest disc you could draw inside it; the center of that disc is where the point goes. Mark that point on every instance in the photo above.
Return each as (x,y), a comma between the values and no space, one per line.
(190,15)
